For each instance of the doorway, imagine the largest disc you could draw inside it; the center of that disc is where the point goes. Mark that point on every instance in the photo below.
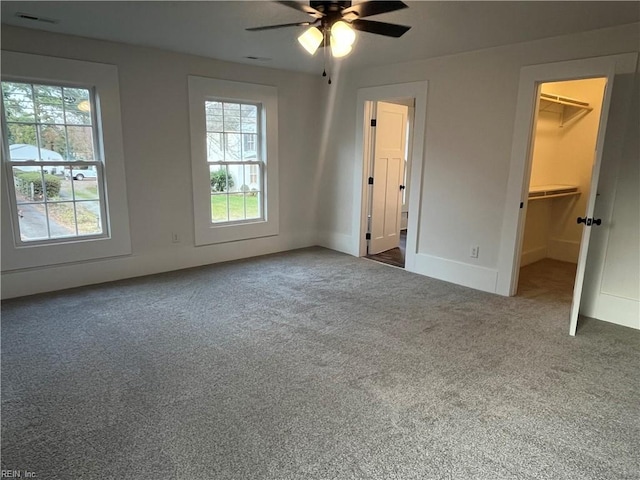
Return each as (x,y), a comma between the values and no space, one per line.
(391,123)
(564,137)
(416,92)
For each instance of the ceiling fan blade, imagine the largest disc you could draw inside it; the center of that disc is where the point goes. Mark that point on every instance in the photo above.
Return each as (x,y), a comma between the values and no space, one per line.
(303,8)
(283,25)
(380,28)
(367,9)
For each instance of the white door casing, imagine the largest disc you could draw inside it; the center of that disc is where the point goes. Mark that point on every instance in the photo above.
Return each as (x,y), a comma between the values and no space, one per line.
(367,96)
(388,176)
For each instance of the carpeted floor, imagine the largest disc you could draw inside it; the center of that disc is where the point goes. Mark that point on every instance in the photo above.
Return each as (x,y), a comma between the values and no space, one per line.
(295,366)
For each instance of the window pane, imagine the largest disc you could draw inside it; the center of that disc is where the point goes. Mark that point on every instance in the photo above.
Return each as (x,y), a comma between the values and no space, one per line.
(232,152)
(89,218)
(28,184)
(252,178)
(215,148)
(236,206)
(22,141)
(221,179)
(49,103)
(253,201)
(53,141)
(87,188)
(52,186)
(214,116)
(249,142)
(66,187)
(219,207)
(231,117)
(62,221)
(80,143)
(32,219)
(249,118)
(77,106)
(18,102)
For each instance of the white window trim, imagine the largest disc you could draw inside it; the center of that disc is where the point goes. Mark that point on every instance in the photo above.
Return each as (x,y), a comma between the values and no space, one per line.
(104,78)
(202,89)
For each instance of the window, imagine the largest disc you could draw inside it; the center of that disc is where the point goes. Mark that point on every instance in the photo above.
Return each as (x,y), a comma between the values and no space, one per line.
(47,127)
(61,147)
(234,160)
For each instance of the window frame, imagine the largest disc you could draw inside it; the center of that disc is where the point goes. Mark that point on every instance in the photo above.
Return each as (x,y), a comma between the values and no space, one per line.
(259,162)
(97,162)
(202,89)
(102,81)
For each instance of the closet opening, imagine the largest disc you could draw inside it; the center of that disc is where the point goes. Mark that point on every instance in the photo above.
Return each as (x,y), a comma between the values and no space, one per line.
(564,137)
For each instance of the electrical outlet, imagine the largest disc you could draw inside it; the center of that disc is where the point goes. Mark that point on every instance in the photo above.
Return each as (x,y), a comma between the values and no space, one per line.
(175,238)
(473,253)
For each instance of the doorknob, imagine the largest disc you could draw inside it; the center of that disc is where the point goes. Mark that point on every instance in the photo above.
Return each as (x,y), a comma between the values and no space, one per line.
(589,221)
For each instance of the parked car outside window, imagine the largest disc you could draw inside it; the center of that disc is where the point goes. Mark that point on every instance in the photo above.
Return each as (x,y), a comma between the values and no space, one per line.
(81,173)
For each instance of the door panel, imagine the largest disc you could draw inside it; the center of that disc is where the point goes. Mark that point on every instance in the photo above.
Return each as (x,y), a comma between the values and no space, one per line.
(586,232)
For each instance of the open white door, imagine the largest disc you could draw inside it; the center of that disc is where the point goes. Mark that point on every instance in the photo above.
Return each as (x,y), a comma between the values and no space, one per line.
(611,289)
(588,220)
(388,175)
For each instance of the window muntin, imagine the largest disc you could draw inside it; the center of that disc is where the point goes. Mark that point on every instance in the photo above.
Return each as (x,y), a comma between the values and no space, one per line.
(235,160)
(47,127)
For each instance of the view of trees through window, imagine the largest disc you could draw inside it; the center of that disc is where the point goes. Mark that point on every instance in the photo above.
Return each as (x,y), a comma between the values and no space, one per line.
(235,164)
(52,153)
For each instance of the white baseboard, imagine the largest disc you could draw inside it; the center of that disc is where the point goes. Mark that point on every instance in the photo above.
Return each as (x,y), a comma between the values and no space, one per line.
(563,250)
(467,275)
(613,309)
(336,241)
(20,283)
(533,255)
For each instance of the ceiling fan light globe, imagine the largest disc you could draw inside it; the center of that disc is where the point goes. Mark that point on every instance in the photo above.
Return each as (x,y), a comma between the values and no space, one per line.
(311,39)
(339,50)
(343,33)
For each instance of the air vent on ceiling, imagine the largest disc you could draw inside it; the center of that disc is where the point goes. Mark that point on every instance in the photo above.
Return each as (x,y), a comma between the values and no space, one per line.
(36,18)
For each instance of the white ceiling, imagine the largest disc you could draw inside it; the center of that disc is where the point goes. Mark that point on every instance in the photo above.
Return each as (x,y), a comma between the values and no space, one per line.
(217,29)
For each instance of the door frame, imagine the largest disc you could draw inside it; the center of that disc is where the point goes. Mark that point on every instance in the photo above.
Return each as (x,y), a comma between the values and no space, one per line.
(520,168)
(372,154)
(363,146)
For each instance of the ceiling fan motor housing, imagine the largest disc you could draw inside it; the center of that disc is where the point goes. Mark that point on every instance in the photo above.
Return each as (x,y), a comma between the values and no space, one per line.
(329,6)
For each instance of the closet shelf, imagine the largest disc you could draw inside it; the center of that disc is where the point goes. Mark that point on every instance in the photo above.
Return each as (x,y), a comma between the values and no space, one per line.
(568,108)
(552,191)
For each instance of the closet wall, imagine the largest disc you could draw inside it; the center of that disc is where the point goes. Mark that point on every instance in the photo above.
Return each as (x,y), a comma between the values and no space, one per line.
(563,154)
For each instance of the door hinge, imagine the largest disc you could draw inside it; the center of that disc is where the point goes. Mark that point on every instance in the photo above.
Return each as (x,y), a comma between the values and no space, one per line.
(367,236)
(373,122)
(521,204)
(370,181)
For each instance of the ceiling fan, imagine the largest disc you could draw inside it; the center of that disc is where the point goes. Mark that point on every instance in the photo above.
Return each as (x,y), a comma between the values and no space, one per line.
(334,21)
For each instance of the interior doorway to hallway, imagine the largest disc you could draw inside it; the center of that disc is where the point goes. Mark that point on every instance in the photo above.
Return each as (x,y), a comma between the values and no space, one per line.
(390,125)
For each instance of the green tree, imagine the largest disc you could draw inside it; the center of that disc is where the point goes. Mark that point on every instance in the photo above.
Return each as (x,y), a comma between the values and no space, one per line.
(221,181)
